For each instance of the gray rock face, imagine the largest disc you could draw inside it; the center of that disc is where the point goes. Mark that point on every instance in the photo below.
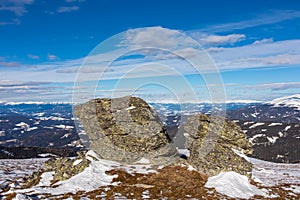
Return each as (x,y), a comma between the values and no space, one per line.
(211,140)
(125,130)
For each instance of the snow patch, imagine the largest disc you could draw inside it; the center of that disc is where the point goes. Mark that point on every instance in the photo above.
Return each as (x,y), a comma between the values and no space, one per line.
(272,139)
(256,136)
(275,124)
(287,128)
(257,124)
(143,161)
(64,126)
(233,185)
(185,152)
(44,155)
(46,179)
(22,124)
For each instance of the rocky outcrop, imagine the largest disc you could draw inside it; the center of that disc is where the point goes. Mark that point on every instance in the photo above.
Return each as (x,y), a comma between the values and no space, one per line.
(125,130)
(210,141)
(64,167)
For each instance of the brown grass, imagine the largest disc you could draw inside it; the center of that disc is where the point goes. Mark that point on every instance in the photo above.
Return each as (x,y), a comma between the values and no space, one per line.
(10,196)
(172,182)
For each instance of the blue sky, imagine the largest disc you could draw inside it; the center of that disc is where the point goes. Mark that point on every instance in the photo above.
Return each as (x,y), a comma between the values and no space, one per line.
(254,45)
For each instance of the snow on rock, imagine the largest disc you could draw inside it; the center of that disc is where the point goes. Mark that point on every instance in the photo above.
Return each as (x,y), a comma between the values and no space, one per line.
(76,162)
(257,124)
(185,152)
(233,185)
(130,108)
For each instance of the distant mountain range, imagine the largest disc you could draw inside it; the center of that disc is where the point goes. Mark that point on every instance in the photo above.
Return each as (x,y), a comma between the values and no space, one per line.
(272,127)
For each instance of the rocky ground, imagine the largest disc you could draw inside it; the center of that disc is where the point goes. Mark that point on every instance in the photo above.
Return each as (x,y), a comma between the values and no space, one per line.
(112,180)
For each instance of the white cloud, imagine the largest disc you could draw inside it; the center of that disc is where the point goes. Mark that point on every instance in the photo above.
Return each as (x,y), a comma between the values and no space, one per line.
(18,7)
(154,37)
(9,64)
(263,55)
(33,56)
(52,57)
(219,39)
(17,83)
(278,86)
(65,9)
(263,41)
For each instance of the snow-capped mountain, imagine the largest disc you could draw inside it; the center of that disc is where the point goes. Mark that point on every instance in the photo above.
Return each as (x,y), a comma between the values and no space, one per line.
(265,124)
(292,101)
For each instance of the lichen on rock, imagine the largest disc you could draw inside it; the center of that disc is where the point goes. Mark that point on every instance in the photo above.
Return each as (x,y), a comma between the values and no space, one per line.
(125,130)
(65,168)
(210,141)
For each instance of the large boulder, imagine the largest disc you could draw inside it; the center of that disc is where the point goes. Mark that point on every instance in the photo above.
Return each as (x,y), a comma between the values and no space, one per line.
(212,142)
(125,130)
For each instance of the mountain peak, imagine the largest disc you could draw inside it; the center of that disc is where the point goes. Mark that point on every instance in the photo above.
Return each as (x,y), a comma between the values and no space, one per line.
(288,101)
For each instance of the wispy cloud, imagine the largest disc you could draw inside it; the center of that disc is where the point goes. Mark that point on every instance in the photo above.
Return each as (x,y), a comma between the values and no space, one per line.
(18,7)
(11,22)
(52,57)
(278,86)
(35,57)
(65,9)
(9,64)
(205,39)
(71,1)
(17,83)
(263,41)
(261,54)
(269,17)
